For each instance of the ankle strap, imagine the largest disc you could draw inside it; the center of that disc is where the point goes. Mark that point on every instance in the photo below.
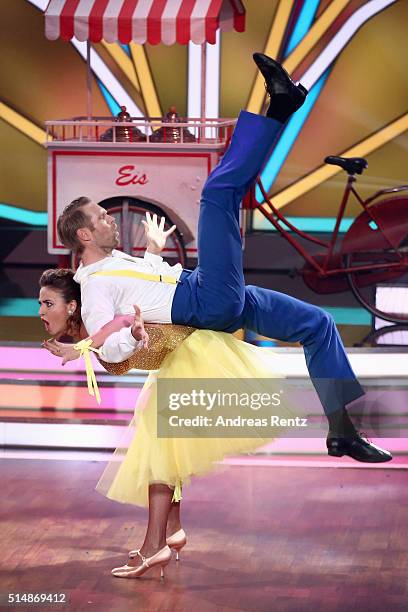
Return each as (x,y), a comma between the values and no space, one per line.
(144,560)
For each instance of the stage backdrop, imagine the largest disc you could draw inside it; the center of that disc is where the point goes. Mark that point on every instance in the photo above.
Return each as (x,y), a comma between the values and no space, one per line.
(352,55)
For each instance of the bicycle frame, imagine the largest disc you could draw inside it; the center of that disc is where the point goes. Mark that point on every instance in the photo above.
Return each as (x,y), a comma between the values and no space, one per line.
(276,217)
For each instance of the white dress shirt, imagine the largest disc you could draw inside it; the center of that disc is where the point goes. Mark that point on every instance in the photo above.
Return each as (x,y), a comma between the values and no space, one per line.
(103,297)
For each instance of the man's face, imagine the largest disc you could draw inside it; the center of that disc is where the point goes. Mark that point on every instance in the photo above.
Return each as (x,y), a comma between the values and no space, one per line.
(105,234)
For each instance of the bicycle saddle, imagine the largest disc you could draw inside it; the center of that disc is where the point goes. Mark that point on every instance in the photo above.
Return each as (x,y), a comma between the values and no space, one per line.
(352,165)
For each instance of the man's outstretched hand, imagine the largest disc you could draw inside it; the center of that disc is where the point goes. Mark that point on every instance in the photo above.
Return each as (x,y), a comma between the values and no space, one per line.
(155,234)
(138,331)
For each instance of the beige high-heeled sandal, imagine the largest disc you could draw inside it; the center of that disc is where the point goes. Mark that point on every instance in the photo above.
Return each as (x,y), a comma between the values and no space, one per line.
(176,542)
(162,558)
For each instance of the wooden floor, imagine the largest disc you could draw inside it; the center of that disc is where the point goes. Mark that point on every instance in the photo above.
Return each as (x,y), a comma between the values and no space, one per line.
(260,539)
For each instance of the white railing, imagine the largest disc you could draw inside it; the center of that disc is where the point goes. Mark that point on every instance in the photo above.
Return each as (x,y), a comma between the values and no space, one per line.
(140,130)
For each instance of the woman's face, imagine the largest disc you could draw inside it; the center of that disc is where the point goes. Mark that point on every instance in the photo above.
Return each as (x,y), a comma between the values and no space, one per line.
(54,310)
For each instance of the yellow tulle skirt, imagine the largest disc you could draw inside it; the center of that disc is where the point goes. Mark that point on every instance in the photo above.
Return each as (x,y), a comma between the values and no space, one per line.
(144,458)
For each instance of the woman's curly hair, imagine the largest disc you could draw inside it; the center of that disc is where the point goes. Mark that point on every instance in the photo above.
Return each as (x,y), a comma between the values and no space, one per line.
(62,280)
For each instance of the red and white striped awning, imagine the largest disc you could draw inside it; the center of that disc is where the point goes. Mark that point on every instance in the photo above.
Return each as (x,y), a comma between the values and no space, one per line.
(143,21)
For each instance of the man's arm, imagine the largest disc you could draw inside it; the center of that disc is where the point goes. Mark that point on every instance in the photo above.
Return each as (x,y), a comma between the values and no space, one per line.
(156,237)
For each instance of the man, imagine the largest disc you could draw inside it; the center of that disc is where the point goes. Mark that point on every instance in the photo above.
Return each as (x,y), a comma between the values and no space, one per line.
(214,295)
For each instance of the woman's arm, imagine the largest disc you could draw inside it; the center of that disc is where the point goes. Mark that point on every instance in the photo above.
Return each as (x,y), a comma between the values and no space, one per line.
(113,326)
(68,353)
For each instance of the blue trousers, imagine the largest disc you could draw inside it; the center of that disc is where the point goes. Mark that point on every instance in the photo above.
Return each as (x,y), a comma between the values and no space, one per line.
(214,295)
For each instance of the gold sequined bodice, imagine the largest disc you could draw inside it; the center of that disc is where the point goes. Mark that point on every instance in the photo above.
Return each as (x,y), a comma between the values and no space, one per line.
(163,338)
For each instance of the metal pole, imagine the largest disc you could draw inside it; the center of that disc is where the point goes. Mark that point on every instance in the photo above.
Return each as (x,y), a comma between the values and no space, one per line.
(88,81)
(126,228)
(203,78)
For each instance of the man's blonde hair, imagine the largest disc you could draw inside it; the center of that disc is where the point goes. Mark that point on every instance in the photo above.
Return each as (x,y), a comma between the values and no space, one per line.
(70,221)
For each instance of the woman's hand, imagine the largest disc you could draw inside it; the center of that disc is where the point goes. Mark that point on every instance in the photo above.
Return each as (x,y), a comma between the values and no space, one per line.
(155,234)
(138,331)
(61,349)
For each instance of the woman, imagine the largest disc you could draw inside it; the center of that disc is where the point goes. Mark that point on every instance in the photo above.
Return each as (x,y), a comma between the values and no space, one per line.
(151,466)
(60,311)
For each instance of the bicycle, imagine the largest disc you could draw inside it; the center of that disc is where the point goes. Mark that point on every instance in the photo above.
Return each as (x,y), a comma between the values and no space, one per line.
(374,250)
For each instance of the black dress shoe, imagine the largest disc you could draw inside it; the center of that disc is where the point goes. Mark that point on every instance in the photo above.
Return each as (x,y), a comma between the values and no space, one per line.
(286,97)
(358,448)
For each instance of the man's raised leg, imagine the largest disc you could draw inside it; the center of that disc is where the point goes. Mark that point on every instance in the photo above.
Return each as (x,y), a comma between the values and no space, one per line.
(215,291)
(221,285)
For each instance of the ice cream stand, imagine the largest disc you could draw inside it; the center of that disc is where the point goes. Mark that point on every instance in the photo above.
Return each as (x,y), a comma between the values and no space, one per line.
(132,164)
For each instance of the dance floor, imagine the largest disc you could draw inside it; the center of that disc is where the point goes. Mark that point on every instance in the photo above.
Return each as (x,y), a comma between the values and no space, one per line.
(285,529)
(260,538)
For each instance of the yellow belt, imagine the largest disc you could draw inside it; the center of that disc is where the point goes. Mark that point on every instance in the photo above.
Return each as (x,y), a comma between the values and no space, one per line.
(84,346)
(158,278)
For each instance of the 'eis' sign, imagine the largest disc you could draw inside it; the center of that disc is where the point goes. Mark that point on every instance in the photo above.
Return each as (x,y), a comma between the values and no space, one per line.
(128,176)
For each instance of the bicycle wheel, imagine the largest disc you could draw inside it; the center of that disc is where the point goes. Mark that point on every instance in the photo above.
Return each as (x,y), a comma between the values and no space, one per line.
(381,291)
(128,214)
(393,335)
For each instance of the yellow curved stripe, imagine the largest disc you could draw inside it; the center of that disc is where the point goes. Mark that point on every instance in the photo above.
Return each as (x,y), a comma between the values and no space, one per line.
(22,124)
(273,44)
(123,61)
(318,29)
(370,144)
(147,86)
